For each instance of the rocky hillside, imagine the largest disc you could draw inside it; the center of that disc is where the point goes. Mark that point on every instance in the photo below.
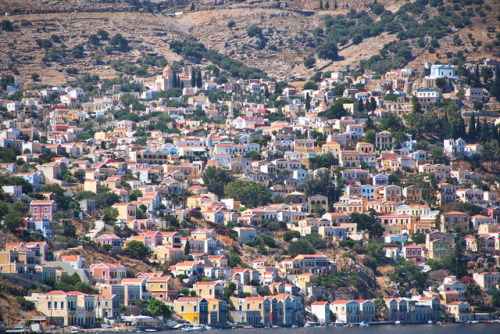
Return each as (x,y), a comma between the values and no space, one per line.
(287,35)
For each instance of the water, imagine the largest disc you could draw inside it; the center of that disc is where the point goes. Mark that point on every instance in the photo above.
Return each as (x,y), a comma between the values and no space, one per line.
(382,329)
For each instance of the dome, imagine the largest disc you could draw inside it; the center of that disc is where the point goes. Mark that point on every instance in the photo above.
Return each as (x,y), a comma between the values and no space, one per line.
(168,70)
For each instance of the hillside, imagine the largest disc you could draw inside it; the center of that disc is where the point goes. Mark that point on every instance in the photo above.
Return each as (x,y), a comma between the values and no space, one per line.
(287,36)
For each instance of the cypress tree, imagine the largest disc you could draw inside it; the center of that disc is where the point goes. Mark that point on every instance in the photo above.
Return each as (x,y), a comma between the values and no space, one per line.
(193,78)
(199,81)
(308,102)
(182,85)
(373,104)
(484,133)
(472,128)
(361,106)
(416,106)
(175,82)
(462,132)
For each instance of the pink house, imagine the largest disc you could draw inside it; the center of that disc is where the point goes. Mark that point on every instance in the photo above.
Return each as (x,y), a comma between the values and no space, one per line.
(413,252)
(43,209)
(108,273)
(113,240)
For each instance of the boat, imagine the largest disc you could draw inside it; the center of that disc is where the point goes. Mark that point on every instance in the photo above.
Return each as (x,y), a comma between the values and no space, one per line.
(247,327)
(363,324)
(308,324)
(294,326)
(438,323)
(150,330)
(430,322)
(397,322)
(339,323)
(194,329)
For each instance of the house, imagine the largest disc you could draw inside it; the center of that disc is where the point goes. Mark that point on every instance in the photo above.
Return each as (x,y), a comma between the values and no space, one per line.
(460,310)
(454,220)
(383,140)
(208,290)
(245,233)
(162,287)
(321,310)
(347,311)
(413,252)
(107,306)
(72,308)
(438,244)
(113,240)
(18,260)
(192,309)
(125,210)
(43,209)
(450,283)
(488,281)
(168,254)
(75,261)
(109,273)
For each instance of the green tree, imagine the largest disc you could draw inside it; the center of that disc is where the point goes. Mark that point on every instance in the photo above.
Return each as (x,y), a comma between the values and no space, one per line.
(310,85)
(322,184)
(199,80)
(289,235)
(327,51)
(6,80)
(231,24)
(137,250)
(119,42)
(216,179)
(13,221)
(254,31)
(109,215)
(308,101)
(416,107)
(193,78)
(418,238)
(496,299)
(94,39)
(157,308)
(361,106)
(300,247)
(455,262)
(103,34)
(472,128)
(326,160)
(368,223)
(25,304)
(251,194)
(6,25)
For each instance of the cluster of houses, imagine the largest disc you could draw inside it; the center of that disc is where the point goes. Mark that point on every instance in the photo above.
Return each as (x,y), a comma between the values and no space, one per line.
(243,141)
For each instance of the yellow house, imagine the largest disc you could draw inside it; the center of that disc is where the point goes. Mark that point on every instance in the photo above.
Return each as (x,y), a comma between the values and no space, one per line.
(66,308)
(166,254)
(91,185)
(208,289)
(331,147)
(162,287)
(18,261)
(192,309)
(103,136)
(305,280)
(125,210)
